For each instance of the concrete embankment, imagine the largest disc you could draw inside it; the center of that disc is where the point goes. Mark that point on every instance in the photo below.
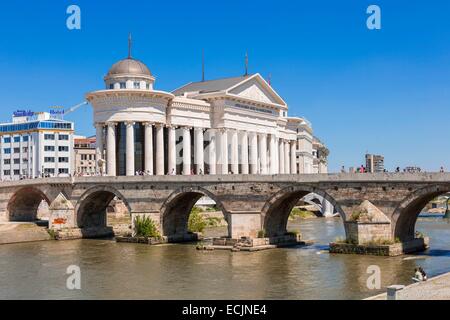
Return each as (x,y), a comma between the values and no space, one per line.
(436,288)
(22,232)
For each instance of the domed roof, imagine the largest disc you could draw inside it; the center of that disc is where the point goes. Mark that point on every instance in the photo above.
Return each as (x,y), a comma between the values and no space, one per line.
(129,66)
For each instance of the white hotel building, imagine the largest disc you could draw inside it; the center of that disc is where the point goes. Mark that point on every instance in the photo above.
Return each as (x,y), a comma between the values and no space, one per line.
(228,126)
(35,144)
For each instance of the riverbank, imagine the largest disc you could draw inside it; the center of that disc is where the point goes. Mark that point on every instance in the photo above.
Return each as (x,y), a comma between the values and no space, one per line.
(436,288)
(16,232)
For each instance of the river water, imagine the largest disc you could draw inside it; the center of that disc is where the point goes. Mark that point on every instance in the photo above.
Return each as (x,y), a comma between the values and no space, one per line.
(112,270)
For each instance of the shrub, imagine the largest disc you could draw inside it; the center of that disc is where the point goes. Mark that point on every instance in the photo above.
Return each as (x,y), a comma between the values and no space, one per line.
(298,213)
(196,222)
(261,234)
(146,227)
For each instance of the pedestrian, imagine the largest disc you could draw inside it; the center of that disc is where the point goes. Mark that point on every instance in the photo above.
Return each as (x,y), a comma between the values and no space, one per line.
(418,277)
(442,169)
(424,275)
(343,169)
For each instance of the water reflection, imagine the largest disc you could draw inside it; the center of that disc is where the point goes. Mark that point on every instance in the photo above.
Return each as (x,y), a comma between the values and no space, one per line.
(128,271)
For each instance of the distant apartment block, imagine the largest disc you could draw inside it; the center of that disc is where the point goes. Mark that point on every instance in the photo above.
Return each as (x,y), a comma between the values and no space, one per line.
(374,163)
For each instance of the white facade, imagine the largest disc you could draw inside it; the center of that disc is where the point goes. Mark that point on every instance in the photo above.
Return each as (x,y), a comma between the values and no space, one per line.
(36,145)
(227,126)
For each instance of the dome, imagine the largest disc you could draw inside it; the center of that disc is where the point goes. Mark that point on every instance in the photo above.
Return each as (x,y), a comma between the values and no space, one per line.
(129,66)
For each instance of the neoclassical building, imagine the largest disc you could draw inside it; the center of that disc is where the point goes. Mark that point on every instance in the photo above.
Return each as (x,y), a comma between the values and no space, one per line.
(234,125)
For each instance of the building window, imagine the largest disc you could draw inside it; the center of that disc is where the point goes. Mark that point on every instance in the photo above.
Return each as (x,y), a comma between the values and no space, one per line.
(136,85)
(16,172)
(16,150)
(49,148)
(111,86)
(49,136)
(63,170)
(17,139)
(123,85)
(7,172)
(7,151)
(63,159)
(49,170)
(25,139)
(7,140)
(6,161)
(63,148)
(63,137)
(49,159)
(147,85)
(17,161)
(25,149)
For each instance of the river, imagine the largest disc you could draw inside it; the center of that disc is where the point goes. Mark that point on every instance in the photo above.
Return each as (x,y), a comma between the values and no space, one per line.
(112,270)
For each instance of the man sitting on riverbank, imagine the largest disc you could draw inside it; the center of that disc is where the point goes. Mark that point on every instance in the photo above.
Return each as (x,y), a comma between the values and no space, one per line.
(418,277)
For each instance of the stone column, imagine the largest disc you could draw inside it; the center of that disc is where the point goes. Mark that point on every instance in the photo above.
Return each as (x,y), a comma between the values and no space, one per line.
(212,151)
(253,153)
(148,148)
(244,149)
(130,148)
(98,145)
(172,151)
(263,153)
(273,155)
(287,160)
(277,156)
(111,149)
(224,151)
(186,151)
(234,152)
(281,156)
(294,157)
(160,149)
(199,160)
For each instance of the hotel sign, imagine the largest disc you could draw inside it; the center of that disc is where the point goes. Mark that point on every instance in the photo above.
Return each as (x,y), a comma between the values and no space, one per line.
(23,113)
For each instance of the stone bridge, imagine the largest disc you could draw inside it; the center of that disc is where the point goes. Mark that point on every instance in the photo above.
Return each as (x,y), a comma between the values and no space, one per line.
(249,203)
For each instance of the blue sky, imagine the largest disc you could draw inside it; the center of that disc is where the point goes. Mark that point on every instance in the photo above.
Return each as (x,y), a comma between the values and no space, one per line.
(386,91)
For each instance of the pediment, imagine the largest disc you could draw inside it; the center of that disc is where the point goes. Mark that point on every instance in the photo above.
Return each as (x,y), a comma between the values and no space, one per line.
(255,88)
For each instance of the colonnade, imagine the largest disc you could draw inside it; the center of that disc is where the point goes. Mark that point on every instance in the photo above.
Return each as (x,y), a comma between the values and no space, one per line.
(228,151)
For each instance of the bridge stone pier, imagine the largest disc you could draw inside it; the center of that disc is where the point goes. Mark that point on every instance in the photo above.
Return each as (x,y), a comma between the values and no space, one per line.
(249,203)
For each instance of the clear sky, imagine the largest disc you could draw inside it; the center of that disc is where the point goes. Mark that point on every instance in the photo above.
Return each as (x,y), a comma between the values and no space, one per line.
(383,91)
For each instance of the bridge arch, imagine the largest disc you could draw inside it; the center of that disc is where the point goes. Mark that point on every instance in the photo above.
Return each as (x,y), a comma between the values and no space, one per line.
(276,211)
(24,204)
(407,212)
(90,209)
(176,210)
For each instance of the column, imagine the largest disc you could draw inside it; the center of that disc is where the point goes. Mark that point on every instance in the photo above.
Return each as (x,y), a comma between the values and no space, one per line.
(172,151)
(253,153)
(212,151)
(199,160)
(234,152)
(277,156)
(273,155)
(244,152)
(111,149)
(294,157)
(130,148)
(186,151)
(224,151)
(287,160)
(98,145)
(281,156)
(1,158)
(263,153)
(148,148)
(160,149)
